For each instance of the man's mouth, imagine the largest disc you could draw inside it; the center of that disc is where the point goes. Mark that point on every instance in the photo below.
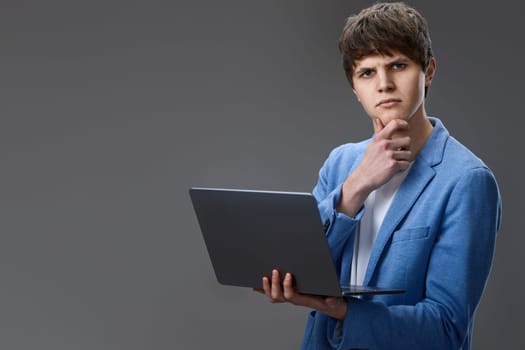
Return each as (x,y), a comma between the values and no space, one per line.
(388,102)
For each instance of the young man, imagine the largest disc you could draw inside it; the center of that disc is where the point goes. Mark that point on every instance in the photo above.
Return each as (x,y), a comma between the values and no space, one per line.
(410,208)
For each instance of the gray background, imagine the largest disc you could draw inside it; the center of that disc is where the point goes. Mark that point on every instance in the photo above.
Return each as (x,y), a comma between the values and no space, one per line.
(111,110)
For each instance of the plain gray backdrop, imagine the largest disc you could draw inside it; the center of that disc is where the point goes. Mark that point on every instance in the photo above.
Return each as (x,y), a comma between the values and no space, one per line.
(112,109)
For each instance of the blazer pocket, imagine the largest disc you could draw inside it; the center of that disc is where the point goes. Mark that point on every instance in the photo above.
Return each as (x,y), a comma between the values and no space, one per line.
(410,234)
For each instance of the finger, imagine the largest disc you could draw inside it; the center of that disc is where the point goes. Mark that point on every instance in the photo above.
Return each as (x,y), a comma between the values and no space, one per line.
(402,155)
(401,143)
(276,289)
(393,127)
(266,286)
(289,290)
(402,165)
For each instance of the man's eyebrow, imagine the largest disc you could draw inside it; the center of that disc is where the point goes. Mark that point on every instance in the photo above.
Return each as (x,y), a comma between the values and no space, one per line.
(392,60)
(361,70)
(396,59)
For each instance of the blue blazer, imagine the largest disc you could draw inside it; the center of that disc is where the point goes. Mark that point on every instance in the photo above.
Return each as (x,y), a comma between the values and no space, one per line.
(436,242)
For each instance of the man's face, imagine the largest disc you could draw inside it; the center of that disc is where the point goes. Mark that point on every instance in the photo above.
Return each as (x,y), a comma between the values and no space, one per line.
(391,87)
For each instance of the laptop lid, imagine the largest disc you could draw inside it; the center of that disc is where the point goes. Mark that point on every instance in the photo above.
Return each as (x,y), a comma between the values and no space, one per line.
(249,232)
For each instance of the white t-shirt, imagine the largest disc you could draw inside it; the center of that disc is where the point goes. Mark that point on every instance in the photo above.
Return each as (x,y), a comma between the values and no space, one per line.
(376,205)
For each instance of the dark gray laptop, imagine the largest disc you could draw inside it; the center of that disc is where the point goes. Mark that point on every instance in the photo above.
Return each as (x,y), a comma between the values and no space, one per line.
(248,233)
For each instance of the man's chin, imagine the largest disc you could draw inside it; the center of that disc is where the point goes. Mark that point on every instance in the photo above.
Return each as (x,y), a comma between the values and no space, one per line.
(385,119)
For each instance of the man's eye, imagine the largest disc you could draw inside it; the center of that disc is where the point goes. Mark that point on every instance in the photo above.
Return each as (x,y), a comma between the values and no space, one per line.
(366,73)
(398,66)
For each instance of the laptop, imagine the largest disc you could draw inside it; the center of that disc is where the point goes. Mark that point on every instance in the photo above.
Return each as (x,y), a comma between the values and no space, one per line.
(248,233)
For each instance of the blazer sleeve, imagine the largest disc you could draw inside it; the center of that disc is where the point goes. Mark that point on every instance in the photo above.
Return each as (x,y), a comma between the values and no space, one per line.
(340,228)
(457,272)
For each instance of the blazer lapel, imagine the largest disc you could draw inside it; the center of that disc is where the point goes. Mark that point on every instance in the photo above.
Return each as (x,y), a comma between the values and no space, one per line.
(415,182)
(421,173)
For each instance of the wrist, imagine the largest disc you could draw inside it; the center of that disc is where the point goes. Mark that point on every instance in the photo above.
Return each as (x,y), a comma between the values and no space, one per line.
(353,195)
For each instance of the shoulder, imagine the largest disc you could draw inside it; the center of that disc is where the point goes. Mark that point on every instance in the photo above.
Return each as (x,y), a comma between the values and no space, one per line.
(455,151)
(464,175)
(461,160)
(450,157)
(472,184)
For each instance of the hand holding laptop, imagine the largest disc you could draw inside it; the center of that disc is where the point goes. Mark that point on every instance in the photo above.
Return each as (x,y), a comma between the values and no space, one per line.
(285,292)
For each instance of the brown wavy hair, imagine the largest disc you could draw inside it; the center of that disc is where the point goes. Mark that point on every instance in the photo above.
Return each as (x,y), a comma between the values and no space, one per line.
(381,29)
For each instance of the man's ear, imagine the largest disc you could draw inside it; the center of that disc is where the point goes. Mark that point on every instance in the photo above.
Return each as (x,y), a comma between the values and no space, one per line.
(430,71)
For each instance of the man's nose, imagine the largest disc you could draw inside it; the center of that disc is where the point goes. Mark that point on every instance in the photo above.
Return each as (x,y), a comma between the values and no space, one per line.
(384,81)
